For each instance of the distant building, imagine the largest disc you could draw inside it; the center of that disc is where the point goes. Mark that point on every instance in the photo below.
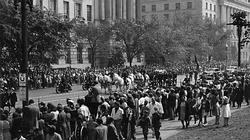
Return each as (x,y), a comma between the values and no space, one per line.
(77,55)
(216,10)
(111,10)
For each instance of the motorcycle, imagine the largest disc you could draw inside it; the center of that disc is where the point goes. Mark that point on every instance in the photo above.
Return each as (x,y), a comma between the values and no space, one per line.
(63,88)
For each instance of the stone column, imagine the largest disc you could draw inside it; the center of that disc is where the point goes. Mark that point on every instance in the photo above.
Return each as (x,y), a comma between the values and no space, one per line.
(124,9)
(102,9)
(223,14)
(128,6)
(108,6)
(119,9)
(133,8)
(96,10)
(114,9)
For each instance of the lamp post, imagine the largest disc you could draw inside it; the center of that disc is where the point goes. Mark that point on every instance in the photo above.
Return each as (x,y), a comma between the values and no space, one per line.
(226,54)
(23,75)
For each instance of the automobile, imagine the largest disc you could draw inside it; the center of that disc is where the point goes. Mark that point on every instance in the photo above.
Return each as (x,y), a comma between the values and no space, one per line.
(232,69)
(212,71)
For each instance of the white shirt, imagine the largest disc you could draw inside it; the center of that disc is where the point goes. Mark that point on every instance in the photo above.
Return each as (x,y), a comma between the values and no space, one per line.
(117,115)
(156,105)
(84,110)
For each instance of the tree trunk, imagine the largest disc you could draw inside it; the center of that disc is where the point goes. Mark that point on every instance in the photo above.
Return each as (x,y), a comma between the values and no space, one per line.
(93,58)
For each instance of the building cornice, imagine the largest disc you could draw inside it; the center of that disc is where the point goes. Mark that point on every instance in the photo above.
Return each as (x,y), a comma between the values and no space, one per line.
(236,4)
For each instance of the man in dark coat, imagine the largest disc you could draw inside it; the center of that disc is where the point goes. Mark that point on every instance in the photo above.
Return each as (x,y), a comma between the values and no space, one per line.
(30,117)
(13,98)
(172,104)
(62,127)
(112,132)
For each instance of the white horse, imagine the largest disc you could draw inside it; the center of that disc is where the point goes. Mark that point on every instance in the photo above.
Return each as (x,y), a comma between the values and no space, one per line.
(118,81)
(131,78)
(146,79)
(139,79)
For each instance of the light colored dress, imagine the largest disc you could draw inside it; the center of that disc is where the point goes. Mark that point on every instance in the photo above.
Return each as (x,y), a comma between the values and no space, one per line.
(226,111)
(5,130)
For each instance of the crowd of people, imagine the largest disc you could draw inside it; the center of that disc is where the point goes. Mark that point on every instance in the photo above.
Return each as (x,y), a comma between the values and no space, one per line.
(118,116)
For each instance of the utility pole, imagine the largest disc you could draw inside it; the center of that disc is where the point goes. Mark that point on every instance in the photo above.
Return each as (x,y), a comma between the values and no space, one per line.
(239,20)
(23,74)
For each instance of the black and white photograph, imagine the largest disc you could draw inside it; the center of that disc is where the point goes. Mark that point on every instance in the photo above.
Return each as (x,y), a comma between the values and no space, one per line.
(124,69)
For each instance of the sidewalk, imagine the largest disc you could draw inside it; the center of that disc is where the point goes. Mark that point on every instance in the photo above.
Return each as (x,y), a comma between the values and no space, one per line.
(171,128)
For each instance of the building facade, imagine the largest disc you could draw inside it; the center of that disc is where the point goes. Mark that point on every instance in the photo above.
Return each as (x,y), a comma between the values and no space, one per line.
(77,55)
(111,10)
(216,10)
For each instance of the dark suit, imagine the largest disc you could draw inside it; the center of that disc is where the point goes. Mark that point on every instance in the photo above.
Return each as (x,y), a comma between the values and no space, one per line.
(62,125)
(30,117)
(112,132)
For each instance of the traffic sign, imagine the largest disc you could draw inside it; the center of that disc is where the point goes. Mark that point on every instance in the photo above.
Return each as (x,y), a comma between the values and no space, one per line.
(22,95)
(22,79)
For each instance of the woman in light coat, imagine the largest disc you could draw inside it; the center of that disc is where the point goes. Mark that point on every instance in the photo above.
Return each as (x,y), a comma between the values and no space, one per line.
(226,111)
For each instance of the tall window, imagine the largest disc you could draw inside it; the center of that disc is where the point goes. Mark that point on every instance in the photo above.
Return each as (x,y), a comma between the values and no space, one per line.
(214,7)
(39,3)
(143,8)
(178,6)
(211,7)
(166,7)
(89,12)
(211,16)
(189,5)
(206,15)
(90,55)
(154,8)
(52,5)
(79,54)
(214,17)
(66,9)
(206,5)
(78,10)
(166,16)
(68,56)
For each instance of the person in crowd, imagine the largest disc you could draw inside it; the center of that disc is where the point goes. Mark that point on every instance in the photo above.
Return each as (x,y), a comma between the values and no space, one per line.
(156,123)
(226,111)
(19,136)
(204,109)
(215,104)
(62,123)
(52,134)
(183,109)
(117,114)
(16,123)
(171,104)
(112,132)
(91,125)
(101,130)
(4,127)
(145,123)
(31,115)
(83,110)
(13,98)
(80,132)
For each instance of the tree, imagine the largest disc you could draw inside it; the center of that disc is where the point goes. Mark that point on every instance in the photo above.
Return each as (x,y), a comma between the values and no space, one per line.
(217,37)
(95,35)
(117,59)
(132,34)
(47,33)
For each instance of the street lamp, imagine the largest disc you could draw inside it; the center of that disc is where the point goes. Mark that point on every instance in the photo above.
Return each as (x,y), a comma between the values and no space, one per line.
(226,54)
(23,75)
